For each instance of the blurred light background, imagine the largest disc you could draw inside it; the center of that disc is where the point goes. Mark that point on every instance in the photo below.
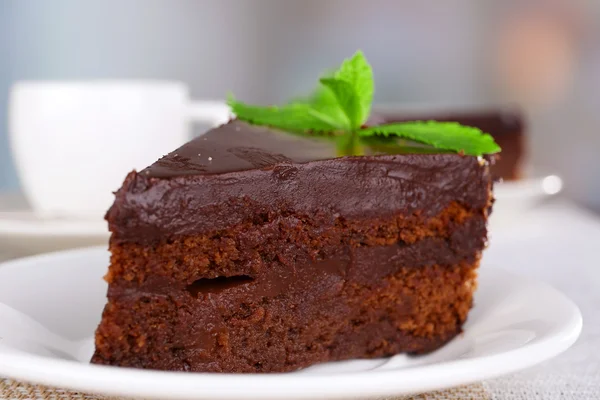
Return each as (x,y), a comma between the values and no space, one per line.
(541,55)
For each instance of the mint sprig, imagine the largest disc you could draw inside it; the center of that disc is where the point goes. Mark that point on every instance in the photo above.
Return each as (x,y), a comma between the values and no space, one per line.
(340,107)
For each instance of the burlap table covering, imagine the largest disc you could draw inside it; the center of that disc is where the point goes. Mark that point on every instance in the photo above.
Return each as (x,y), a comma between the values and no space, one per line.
(12,390)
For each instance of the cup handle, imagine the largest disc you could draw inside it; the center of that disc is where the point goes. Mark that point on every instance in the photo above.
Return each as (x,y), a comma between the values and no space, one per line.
(214,113)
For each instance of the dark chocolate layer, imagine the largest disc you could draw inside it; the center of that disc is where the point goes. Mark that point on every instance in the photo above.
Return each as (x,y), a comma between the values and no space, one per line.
(186,193)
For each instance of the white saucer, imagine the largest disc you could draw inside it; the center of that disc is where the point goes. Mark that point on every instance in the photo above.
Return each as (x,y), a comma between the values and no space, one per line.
(515,324)
(23,232)
(27,223)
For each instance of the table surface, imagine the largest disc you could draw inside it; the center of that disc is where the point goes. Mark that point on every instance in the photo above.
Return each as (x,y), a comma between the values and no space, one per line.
(564,242)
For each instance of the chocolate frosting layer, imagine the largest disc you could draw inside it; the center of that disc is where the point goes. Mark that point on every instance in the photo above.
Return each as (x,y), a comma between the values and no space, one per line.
(238,173)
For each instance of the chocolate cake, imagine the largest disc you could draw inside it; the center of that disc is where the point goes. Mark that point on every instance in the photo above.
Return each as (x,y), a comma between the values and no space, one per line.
(507,126)
(252,250)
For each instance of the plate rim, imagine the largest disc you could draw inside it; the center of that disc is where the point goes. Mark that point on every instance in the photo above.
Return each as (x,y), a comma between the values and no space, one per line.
(99,379)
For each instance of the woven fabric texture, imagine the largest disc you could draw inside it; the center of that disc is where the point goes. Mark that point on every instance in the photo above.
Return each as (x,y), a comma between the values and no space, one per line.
(12,390)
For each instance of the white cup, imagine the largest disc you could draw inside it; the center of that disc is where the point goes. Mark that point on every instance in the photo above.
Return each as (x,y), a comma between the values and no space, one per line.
(74,142)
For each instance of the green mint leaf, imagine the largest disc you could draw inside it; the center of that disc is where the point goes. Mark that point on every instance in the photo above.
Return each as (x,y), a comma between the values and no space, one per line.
(346,99)
(442,135)
(358,73)
(324,100)
(292,117)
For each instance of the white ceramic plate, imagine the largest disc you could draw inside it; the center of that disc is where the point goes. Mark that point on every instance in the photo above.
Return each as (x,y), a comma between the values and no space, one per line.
(50,306)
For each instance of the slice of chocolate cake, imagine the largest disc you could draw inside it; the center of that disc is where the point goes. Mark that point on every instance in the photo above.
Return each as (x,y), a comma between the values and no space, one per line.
(252,250)
(256,249)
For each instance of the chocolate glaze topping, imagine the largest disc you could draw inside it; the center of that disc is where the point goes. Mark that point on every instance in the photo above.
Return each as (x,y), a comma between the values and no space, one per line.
(238,146)
(237,173)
